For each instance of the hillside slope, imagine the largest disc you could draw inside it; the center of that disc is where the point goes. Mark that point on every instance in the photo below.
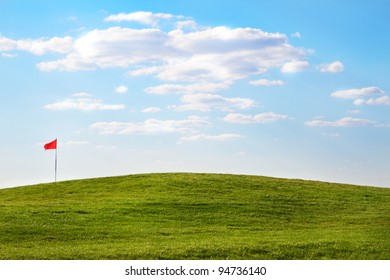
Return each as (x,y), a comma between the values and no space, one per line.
(194,216)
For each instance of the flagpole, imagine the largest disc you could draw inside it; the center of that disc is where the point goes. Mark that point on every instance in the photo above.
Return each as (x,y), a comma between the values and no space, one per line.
(55,166)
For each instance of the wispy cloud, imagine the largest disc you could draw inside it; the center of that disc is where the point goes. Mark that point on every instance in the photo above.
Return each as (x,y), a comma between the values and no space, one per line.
(384,100)
(9,55)
(147,18)
(361,96)
(347,121)
(83,104)
(353,112)
(253,119)
(208,102)
(151,126)
(333,67)
(187,89)
(151,110)
(296,35)
(357,93)
(213,138)
(81,94)
(265,82)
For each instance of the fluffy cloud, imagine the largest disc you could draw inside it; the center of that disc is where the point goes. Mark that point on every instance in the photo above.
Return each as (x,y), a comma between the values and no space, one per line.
(348,121)
(295,66)
(333,67)
(384,100)
(207,102)
(357,93)
(222,39)
(187,24)
(265,82)
(259,118)
(200,97)
(38,47)
(146,18)
(186,53)
(151,126)
(113,47)
(145,71)
(214,138)
(187,89)
(121,89)
(361,96)
(83,104)
(211,54)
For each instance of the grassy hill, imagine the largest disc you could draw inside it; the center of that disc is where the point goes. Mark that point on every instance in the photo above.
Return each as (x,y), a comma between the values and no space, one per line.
(194,216)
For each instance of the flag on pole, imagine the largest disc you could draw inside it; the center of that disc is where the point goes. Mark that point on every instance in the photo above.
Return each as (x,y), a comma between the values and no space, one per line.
(53,146)
(50,146)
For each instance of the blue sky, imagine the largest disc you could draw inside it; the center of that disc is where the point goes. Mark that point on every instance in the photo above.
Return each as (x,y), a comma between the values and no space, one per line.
(295,89)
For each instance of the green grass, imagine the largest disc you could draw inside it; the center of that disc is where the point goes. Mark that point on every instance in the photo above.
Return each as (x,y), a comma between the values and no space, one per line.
(194,216)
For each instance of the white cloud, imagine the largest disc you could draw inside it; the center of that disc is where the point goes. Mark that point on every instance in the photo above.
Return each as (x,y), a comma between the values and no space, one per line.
(333,67)
(142,17)
(200,97)
(259,118)
(145,71)
(221,53)
(214,138)
(187,89)
(151,126)
(384,100)
(212,67)
(113,47)
(348,121)
(81,94)
(207,102)
(187,24)
(151,110)
(295,66)
(212,54)
(7,44)
(361,95)
(121,89)
(296,35)
(357,93)
(83,104)
(353,112)
(39,46)
(265,82)
(9,55)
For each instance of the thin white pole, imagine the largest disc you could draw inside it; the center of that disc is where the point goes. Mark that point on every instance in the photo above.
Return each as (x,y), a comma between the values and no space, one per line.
(55,166)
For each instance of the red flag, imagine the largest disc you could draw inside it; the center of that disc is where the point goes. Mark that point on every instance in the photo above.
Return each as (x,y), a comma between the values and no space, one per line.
(50,146)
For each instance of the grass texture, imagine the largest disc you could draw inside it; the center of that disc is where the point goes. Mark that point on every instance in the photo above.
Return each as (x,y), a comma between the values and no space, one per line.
(194,216)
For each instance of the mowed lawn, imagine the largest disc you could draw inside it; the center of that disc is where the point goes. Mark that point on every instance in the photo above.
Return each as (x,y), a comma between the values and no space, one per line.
(194,216)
